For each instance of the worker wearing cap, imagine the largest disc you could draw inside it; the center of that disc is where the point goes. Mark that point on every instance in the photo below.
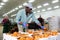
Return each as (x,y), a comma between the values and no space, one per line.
(6,24)
(24,15)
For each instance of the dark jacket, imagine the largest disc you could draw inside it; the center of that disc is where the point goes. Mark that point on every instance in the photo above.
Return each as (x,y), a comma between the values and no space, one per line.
(41,20)
(6,25)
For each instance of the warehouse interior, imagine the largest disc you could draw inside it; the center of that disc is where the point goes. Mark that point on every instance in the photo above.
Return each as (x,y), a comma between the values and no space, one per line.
(47,9)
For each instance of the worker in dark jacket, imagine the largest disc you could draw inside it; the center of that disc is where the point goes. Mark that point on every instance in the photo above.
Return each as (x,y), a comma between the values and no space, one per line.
(41,20)
(6,24)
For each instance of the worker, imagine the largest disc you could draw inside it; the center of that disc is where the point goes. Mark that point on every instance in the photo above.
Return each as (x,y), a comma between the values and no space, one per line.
(6,24)
(23,16)
(41,20)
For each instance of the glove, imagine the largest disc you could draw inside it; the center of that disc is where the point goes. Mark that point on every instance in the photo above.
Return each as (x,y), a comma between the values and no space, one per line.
(42,27)
(24,24)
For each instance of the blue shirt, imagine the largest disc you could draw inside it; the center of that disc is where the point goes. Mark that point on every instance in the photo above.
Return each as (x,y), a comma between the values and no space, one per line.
(21,17)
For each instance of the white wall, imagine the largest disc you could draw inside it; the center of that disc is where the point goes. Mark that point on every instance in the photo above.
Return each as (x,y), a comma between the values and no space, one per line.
(48,13)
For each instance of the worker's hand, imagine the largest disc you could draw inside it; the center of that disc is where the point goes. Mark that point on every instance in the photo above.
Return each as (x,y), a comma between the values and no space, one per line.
(20,23)
(27,25)
(42,27)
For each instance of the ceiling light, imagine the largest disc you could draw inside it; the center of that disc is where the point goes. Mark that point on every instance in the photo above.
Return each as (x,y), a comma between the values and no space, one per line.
(24,4)
(10,12)
(55,1)
(46,4)
(13,15)
(0,6)
(4,14)
(7,13)
(49,8)
(34,12)
(56,7)
(33,8)
(13,10)
(38,11)
(31,1)
(43,10)
(16,8)
(2,3)
(20,6)
(4,0)
(39,6)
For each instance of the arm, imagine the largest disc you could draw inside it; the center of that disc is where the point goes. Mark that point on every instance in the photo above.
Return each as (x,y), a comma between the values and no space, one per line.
(18,16)
(36,21)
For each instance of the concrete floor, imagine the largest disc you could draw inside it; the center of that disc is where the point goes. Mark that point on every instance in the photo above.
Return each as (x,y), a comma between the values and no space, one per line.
(1,34)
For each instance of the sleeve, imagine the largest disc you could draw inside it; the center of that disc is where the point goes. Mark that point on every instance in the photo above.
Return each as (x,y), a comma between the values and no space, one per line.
(18,17)
(34,19)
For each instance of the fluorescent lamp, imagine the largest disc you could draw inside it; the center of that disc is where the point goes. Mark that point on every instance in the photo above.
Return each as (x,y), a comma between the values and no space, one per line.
(13,15)
(4,0)
(20,6)
(2,3)
(55,1)
(39,6)
(31,1)
(4,14)
(46,4)
(49,8)
(13,10)
(8,13)
(33,8)
(43,10)
(34,12)
(56,7)
(38,11)
(16,8)
(24,4)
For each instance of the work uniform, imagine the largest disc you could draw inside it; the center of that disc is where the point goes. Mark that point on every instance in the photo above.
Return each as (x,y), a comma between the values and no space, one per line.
(21,17)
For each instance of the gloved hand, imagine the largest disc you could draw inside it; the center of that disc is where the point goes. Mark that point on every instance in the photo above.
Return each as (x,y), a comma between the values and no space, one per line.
(42,27)
(24,24)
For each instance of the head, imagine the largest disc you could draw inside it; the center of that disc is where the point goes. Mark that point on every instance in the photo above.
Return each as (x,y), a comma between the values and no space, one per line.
(28,7)
(28,10)
(6,17)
